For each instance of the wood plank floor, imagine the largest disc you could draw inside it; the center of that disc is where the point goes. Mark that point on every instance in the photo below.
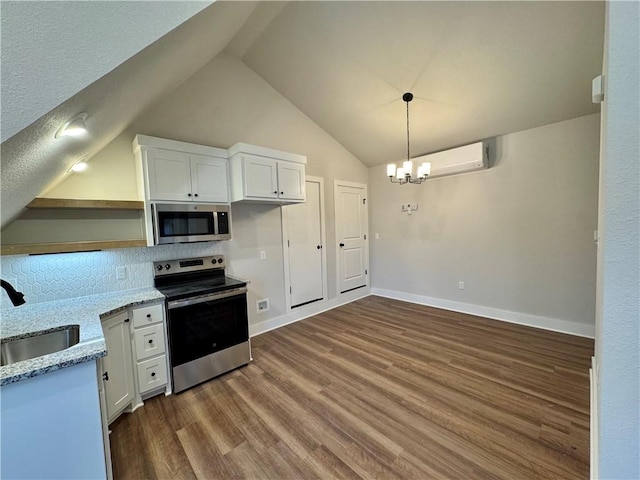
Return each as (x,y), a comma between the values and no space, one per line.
(376,389)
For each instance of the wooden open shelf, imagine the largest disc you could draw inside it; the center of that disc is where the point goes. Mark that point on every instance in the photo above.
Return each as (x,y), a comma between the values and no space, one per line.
(68,247)
(68,204)
(96,204)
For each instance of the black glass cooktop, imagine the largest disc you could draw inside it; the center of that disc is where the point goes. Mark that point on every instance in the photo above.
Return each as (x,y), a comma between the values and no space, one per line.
(186,289)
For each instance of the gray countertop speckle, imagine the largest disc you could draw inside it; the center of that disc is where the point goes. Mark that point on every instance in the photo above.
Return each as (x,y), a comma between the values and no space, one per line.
(87,311)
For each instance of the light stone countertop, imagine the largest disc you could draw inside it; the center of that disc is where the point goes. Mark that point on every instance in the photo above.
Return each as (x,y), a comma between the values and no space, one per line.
(20,322)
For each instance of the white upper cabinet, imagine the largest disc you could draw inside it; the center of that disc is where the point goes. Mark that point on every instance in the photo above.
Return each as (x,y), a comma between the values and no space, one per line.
(209,178)
(291,181)
(262,175)
(169,175)
(181,172)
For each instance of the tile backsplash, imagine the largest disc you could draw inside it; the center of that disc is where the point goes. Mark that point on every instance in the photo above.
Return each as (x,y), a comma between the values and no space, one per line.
(43,278)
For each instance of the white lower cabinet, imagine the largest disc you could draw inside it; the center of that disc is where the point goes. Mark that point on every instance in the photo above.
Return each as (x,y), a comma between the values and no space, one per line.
(117,366)
(150,345)
(136,366)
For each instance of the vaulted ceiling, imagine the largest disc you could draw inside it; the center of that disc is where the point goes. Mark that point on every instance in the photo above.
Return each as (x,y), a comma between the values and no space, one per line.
(476,69)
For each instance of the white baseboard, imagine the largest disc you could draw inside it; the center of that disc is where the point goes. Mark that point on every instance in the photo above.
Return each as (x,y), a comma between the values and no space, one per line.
(545,323)
(300,313)
(593,423)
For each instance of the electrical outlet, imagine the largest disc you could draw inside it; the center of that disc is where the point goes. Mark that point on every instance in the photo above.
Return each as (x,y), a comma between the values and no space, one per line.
(263,255)
(121,273)
(461,285)
(262,305)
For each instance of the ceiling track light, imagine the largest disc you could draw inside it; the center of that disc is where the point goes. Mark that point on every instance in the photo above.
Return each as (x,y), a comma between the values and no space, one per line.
(404,174)
(74,127)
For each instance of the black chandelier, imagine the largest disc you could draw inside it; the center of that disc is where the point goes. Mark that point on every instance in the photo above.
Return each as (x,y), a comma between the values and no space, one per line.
(405,173)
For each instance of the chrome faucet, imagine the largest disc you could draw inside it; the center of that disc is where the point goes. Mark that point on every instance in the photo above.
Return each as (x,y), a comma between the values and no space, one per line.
(17,298)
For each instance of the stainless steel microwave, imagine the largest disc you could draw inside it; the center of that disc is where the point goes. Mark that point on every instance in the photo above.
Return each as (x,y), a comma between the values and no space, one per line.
(185,223)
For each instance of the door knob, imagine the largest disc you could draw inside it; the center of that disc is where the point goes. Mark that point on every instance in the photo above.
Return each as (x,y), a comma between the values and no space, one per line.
(342,244)
(319,247)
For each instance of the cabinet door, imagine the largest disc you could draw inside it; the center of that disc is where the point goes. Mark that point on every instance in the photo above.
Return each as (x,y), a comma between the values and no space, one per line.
(260,177)
(291,181)
(117,366)
(209,179)
(169,175)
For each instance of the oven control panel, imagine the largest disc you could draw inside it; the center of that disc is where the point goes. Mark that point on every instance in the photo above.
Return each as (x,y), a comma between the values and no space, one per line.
(169,267)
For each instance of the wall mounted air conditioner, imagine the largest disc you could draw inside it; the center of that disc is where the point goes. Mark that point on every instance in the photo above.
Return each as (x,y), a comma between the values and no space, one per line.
(457,160)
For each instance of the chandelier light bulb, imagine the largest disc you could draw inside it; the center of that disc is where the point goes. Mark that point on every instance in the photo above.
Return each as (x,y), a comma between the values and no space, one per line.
(407,166)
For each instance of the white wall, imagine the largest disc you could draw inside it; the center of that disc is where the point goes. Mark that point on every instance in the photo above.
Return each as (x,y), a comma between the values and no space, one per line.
(617,322)
(520,234)
(222,104)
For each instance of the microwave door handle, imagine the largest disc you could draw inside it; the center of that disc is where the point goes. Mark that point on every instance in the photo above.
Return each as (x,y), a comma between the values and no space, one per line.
(205,298)
(216,229)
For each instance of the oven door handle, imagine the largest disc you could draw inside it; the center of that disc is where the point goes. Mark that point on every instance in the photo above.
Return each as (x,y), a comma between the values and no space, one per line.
(206,298)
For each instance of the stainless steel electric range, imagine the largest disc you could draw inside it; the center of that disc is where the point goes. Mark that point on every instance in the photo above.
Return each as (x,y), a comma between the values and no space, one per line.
(207,321)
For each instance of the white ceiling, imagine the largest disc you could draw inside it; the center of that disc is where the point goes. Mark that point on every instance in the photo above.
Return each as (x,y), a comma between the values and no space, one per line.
(52,50)
(477,69)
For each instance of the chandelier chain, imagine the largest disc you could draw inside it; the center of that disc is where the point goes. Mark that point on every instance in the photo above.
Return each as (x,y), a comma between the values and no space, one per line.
(408,155)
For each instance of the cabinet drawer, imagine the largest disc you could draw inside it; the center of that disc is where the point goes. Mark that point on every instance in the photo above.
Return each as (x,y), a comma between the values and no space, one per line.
(147,315)
(152,373)
(149,341)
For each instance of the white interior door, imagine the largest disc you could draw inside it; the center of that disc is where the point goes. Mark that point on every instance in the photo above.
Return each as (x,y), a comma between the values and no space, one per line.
(351,233)
(303,231)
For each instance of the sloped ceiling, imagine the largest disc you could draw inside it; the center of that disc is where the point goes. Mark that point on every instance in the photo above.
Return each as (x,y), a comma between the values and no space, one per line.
(52,50)
(33,160)
(477,69)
